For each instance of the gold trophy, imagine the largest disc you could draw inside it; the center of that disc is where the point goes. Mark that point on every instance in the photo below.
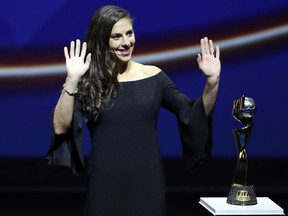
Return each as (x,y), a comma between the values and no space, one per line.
(241,193)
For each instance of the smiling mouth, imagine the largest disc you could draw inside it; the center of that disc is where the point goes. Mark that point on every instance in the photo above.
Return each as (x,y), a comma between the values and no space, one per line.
(125,52)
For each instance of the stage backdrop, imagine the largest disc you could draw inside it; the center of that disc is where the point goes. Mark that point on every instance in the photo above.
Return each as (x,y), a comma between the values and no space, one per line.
(252,36)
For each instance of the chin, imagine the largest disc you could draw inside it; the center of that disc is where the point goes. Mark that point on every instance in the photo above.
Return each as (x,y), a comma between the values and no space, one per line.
(124,58)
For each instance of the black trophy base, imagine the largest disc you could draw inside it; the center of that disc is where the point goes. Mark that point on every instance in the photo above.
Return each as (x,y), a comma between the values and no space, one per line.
(242,195)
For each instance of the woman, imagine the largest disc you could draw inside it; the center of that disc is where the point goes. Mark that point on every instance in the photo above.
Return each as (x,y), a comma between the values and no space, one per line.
(120,100)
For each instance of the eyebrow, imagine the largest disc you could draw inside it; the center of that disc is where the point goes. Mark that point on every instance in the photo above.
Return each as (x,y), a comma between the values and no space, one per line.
(130,30)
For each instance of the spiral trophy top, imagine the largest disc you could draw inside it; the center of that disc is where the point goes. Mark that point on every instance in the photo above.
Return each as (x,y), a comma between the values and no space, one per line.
(244,109)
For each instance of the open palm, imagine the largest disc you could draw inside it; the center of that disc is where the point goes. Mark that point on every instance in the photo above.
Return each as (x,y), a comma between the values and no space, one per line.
(76,63)
(208,61)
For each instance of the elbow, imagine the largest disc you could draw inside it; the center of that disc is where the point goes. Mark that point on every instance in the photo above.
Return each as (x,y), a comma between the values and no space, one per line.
(59,131)
(60,127)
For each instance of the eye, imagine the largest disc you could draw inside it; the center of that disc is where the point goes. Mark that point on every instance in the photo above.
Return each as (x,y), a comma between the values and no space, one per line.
(129,33)
(115,36)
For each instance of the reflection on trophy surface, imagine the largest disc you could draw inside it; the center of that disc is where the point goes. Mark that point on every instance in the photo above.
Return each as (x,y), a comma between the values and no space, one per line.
(241,193)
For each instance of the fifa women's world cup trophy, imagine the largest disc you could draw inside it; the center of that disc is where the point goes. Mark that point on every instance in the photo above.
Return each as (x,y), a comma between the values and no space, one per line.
(241,193)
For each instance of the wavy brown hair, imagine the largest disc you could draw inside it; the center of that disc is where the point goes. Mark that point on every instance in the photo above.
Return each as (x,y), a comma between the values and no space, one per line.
(99,86)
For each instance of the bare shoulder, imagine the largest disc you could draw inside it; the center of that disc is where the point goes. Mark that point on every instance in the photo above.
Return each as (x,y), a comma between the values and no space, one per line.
(151,69)
(148,70)
(138,71)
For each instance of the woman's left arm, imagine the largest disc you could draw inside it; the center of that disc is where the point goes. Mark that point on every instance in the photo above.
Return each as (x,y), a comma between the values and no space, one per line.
(209,63)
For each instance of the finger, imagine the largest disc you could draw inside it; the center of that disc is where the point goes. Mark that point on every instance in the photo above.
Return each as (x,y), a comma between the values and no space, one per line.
(84,48)
(202,45)
(199,58)
(211,46)
(217,52)
(72,47)
(88,59)
(66,53)
(78,48)
(205,46)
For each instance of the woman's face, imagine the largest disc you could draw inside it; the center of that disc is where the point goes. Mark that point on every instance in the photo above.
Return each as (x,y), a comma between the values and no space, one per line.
(122,40)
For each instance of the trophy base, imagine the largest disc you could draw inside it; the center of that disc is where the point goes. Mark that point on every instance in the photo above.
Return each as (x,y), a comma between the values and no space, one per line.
(242,195)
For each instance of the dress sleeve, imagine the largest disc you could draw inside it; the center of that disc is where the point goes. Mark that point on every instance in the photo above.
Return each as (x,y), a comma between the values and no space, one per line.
(67,149)
(195,128)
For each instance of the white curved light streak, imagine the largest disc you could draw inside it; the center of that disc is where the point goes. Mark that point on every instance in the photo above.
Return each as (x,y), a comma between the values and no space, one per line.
(163,56)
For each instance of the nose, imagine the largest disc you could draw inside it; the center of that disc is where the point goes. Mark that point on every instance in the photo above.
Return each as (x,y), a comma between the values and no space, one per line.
(125,41)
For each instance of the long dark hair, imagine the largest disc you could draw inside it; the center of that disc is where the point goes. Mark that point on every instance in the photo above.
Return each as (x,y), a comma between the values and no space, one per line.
(99,86)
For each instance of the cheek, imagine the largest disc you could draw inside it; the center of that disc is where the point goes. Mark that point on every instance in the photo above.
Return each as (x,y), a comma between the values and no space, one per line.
(113,45)
(133,40)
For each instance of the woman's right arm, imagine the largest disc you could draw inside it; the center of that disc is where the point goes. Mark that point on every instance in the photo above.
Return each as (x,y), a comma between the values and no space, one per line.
(76,65)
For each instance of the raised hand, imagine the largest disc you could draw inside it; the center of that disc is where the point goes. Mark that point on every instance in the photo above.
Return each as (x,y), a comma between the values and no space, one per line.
(208,61)
(76,64)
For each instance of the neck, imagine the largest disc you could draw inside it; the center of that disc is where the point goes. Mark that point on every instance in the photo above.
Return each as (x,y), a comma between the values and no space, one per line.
(123,67)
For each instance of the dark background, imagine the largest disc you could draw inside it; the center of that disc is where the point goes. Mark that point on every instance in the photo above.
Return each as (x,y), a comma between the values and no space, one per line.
(253,40)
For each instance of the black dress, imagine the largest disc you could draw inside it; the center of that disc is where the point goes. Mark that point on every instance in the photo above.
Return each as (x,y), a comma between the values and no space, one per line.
(125,173)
